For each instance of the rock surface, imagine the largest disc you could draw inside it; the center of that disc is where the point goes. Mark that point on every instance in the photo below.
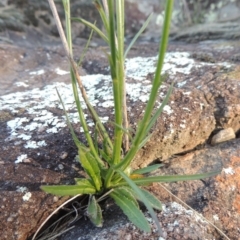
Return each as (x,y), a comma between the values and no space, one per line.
(216,198)
(176,221)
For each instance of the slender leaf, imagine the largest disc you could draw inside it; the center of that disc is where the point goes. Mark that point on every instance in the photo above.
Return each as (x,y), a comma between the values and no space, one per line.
(175,178)
(83,120)
(105,156)
(92,26)
(144,141)
(143,198)
(147,169)
(84,182)
(130,209)
(138,34)
(96,139)
(74,136)
(86,47)
(94,212)
(125,130)
(155,203)
(90,165)
(159,111)
(69,190)
(102,15)
(126,192)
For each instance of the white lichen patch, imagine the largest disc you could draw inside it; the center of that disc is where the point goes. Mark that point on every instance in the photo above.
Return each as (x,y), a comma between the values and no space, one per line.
(35,105)
(21,158)
(228,171)
(21,84)
(167,109)
(181,62)
(181,84)
(21,189)
(26,196)
(186,109)
(182,125)
(39,72)
(181,210)
(61,72)
(34,144)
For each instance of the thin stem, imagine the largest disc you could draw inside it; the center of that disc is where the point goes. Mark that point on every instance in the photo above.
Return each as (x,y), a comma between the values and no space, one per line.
(116,79)
(75,71)
(120,38)
(153,95)
(105,5)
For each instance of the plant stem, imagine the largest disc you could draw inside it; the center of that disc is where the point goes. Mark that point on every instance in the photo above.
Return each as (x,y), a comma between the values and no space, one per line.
(77,76)
(153,95)
(120,38)
(116,67)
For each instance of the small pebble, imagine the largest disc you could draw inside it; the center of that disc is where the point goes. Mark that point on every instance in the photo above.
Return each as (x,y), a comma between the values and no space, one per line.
(63,155)
(55,198)
(223,135)
(60,166)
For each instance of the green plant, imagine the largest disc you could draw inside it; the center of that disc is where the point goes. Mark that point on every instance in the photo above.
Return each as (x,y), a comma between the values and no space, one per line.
(107,163)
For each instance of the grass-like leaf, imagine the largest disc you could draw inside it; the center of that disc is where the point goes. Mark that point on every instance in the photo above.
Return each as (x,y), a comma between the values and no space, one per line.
(174,178)
(92,26)
(138,34)
(159,111)
(91,166)
(141,195)
(70,190)
(147,169)
(102,15)
(130,209)
(144,141)
(85,48)
(74,136)
(126,192)
(155,203)
(94,212)
(125,130)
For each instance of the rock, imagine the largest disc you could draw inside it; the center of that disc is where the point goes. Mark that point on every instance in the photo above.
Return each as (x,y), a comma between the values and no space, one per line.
(23,205)
(187,122)
(216,198)
(210,31)
(176,221)
(223,135)
(215,20)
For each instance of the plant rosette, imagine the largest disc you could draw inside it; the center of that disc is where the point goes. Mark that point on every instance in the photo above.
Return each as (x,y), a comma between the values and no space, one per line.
(106,160)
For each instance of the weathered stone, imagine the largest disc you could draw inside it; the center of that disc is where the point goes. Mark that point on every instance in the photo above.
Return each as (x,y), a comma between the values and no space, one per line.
(225,99)
(216,198)
(23,205)
(223,135)
(176,221)
(187,124)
